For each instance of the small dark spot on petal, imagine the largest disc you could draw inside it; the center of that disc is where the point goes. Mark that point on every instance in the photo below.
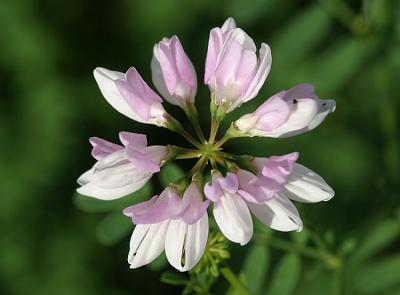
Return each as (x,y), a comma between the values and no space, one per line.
(294,101)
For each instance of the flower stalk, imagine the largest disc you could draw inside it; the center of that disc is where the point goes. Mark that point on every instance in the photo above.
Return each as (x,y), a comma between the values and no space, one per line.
(234,281)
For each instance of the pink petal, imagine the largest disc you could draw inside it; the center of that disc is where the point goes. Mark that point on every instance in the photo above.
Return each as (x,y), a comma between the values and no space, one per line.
(229,183)
(102,148)
(148,212)
(182,63)
(140,87)
(141,161)
(137,103)
(136,140)
(272,113)
(215,43)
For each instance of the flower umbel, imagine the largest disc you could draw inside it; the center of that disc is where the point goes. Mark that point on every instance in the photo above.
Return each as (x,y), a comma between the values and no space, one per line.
(177,221)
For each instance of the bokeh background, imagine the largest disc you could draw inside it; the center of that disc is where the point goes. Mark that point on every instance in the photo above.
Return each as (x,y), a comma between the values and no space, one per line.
(55,242)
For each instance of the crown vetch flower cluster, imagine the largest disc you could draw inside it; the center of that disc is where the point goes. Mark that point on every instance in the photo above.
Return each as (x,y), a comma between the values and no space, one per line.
(176,221)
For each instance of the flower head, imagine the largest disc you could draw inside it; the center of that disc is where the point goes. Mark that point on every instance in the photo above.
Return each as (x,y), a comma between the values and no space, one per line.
(176,221)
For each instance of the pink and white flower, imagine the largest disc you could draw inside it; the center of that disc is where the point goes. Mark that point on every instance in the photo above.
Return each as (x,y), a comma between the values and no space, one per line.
(233,72)
(173,73)
(120,170)
(131,96)
(178,225)
(267,194)
(286,113)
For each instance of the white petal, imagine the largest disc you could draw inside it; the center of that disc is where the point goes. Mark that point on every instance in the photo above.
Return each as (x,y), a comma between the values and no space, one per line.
(188,240)
(94,191)
(147,243)
(112,177)
(307,186)
(233,218)
(196,241)
(263,69)
(278,213)
(309,113)
(106,81)
(228,25)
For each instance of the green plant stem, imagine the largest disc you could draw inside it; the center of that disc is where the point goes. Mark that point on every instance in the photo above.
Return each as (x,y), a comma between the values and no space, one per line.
(289,246)
(221,141)
(196,154)
(198,166)
(191,113)
(234,281)
(337,281)
(214,129)
(174,125)
(189,138)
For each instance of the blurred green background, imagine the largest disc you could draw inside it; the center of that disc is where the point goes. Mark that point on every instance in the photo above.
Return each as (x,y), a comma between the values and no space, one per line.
(54,242)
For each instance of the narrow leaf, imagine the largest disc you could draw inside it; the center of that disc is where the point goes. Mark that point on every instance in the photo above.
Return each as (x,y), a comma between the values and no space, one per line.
(286,275)
(378,276)
(172,278)
(379,237)
(255,267)
(113,228)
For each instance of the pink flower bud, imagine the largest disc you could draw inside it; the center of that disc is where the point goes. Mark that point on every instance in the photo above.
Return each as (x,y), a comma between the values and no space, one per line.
(173,73)
(233,72)
(287,113)
(131,96)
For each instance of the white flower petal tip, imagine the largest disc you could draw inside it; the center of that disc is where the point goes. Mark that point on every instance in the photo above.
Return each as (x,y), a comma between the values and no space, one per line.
(228,25)
(233,218)
(120,170)
(304,185)
(147,243)
(230,209)
(130,96)
(278,213)
(185,243)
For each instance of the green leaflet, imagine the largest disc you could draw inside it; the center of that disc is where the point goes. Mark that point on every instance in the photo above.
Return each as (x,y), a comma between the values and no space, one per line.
(286,275)
(255,268)
(378,276)
(379,237)
(173,279)
(113,228)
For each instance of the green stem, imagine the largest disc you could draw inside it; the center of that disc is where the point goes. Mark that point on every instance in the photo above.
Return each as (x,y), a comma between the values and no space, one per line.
(198,166)
(337,281)
(174,125)
(196,154)
(214,130)
(191,113)
(221,141)
(290,247)
(234,281)
(189,138)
